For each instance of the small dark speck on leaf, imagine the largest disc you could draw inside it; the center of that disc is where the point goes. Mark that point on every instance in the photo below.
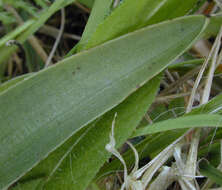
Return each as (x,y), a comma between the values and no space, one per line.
(78,68)
(182,29)
(73,73)
(150,67)
(137,86)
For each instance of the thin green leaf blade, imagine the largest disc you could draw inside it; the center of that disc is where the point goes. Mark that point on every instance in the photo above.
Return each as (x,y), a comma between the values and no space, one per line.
(101,9)
(202,120)
(15,32)
(57,102)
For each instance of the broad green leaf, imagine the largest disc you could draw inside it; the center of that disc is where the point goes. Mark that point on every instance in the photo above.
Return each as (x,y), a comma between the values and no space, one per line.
(78,170)
(94,186)
(136,106)
(211,172)
(30,185)
(202,120)
(172,9)
(13,82)
(49,165)
(214,26)
(131,15)
(57,102)
(88,3)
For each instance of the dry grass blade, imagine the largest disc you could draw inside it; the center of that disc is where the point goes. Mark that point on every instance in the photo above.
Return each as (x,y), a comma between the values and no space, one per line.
(207,89)
(48,62)
(191,163)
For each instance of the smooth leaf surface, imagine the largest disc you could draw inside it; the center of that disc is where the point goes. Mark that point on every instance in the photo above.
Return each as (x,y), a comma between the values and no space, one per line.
(57,102)
(49,165)
(214,26)
(88,3)
(202,120)
(13,82)
(172,9)
(129,112)
(78,170)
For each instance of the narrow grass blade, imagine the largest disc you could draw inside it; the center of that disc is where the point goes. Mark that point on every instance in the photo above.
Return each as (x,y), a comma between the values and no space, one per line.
(101,9)
(202,120)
